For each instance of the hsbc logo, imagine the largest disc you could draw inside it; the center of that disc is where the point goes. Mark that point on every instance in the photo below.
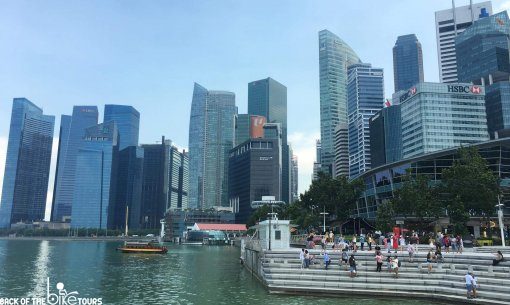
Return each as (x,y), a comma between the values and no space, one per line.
(465,89)
(408,94)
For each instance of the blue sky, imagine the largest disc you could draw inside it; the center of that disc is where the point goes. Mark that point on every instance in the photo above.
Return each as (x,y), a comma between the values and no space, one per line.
(149,53)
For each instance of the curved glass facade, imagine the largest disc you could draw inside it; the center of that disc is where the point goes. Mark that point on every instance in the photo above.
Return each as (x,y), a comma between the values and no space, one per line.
(198,236)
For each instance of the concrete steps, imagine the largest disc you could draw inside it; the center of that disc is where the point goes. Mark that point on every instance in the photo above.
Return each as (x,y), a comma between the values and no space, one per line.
(283,274)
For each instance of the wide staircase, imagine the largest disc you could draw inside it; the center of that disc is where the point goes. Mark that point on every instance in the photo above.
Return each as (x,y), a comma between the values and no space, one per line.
(282,273)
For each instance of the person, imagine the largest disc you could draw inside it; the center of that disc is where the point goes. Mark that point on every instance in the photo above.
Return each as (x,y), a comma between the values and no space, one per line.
(387,244)
(302,258)
(499,258)
(327,260)
(438,256)
(352,266)
(474,285)
(354,245)
(446,243)
(395,243)
(307,259)
(469,284)
(460,244)
(362,241)
(345,258)
(410,250)
(388,263)
(431,244)
(379,261)
(370,241)
(395,265)
(453,242)
(429,261)
(324,241)
(402,242)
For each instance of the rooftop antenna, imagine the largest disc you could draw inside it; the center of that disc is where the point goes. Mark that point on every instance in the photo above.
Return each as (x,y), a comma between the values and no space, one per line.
(454,18)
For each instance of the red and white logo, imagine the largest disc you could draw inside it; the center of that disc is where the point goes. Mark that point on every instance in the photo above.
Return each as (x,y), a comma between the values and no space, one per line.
(412,90)
(476,90)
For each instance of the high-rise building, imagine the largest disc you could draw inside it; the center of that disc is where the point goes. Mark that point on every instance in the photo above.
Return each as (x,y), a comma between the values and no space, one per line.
(450,23)
(27,164)
(211,137)
(386,136)
(96,184)
(438,116)
(249,127)
(317,163)
(294,181)
(129,188)
(365,95)
(483,59)
(72,132)
(178,181)
(268,98)
(334,58)
(407,62)
(127,120)
(341,165)
(254,171)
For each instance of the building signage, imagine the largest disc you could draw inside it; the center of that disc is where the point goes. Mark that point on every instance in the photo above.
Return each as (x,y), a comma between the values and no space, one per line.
(465,89)
(265,158)
(408,94)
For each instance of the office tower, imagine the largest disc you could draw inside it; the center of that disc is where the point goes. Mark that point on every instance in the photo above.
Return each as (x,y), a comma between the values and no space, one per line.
(334,58)
(96,180)
(129,188)
(178,181)
(407,62)
(294,181)
(341,165)
(365,95)
(483,59)
(268,98)
(27,164)
(127,119)
(72,132)
(317,163)
(211,137)
(386,136)
(438,116)
(450,23)
(249,127)
(255,170)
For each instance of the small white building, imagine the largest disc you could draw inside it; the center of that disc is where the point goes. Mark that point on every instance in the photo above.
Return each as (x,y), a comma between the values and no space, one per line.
(279,231)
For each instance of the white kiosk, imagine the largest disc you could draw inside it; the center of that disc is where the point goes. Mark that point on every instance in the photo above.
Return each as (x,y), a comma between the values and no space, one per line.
(279,230)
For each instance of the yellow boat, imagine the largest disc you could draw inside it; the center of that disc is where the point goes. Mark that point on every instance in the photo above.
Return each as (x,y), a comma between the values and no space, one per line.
(142,247)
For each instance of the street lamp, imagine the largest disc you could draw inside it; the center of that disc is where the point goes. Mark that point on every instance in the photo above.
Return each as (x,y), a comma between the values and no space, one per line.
(324,221)
(500,217)
(271,215)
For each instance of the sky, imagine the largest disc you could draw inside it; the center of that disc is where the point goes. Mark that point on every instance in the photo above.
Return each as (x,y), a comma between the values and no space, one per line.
(148,54)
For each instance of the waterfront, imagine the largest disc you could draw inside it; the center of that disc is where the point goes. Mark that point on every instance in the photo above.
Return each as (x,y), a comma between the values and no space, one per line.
(186,275)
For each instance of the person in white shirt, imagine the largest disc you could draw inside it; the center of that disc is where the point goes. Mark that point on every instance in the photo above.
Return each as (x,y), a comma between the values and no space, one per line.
(302,258)
(475,285)
(469,284)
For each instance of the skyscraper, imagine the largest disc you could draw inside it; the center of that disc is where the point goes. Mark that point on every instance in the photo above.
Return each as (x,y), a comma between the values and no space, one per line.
(365,97)
(483,59)
(95,185)
(211,136)
(334,58)
(27,164)
(178,181)
(127,120)
(438,116)
(341,165)
(449,24)
(294,181)
(386,136)
(268,98)
(407,62)
(249,127)
(317,163)
(72,132)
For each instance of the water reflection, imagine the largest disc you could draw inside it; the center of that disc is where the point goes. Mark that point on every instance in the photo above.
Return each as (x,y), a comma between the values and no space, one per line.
(42,270)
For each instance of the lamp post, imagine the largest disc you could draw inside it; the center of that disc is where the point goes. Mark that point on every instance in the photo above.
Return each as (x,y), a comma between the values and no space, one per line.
(324,220)
(271,215)
(500,218)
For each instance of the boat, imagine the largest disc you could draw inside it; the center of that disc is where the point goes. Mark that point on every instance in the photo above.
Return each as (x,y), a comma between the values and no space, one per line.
(142,247)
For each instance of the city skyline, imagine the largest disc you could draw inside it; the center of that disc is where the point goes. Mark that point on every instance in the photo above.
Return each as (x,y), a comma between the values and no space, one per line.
(37,80)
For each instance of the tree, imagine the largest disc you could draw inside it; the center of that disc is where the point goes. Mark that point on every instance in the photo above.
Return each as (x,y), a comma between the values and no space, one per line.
(470,187)
(385,220)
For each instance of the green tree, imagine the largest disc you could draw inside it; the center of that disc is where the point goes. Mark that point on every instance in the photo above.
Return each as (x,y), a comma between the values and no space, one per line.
(385,216)
(470,187)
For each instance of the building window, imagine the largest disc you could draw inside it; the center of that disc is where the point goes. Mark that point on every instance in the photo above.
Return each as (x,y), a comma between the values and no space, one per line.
(277,235)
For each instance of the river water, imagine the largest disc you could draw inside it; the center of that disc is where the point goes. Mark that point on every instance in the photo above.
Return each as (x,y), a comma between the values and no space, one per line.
(186,275)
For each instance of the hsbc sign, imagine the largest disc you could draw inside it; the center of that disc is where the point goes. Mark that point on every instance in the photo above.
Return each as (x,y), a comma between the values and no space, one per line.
(465,89)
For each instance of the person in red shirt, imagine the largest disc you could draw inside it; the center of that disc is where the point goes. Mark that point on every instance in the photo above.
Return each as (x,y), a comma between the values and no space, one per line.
(395,242)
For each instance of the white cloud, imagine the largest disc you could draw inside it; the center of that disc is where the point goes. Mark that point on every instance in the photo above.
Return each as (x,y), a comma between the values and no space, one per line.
(303,146)
(504,6)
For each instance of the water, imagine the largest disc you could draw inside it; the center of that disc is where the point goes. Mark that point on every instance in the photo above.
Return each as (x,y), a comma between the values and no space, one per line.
(186,275)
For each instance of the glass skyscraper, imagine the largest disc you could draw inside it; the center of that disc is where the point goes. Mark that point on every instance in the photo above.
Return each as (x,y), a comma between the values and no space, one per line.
(268,98)
(127,119)
(386,136)
(211,136)
(27,164)
(72,132)
(334,58)
(407,62)
(438,116)
(95,185)
(365,95)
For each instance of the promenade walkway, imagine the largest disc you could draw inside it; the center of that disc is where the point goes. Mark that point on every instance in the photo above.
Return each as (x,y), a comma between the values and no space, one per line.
(282,273)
